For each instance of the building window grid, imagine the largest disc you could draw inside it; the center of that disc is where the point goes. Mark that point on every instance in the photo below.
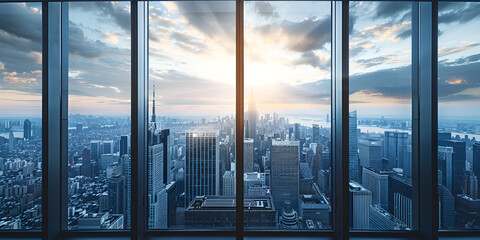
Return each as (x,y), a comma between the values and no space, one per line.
(44,230)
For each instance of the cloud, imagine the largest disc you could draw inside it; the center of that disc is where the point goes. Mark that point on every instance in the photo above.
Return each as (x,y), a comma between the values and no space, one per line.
(391,9)
(116,11)
(112,37)
(455,81)
(446,51)
(311,59)
(309,34)
(265,9)
(370,62)
(215,19)
(2,66)
(458,12)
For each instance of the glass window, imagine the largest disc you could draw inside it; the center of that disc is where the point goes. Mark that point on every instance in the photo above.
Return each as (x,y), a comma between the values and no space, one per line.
(458,115)
(191,124)
(99,179)
(380,121)
(287,166)
(20,116)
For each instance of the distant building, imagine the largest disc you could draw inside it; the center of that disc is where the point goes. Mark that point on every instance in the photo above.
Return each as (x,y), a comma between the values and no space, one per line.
(202,164)
(395,149)
(317,209)
(229,183)
(353,167)
(370,154)
(27,129)
(381,219)
(256,184)
(377,182)
(116,194)
(219,212)
(360,200)
(124,145)
(285,160)
(289,217)
(248,155)
(445,165)
(400,198)
(101,221)
(251,119)
(458,163)
(446,208)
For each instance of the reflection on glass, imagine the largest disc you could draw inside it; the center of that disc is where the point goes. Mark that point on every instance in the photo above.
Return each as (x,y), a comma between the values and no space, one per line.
(458,115)
(20,116)
(191,125)
(99,180)
(380,140)
(287,167)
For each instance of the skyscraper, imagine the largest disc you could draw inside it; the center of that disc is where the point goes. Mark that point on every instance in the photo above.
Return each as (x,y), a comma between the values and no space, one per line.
(252,116)
(381,219)
(202,164)
(248,155)
(458,161)
(107,147)
(86,169)
(27,129)
(116,194)
(395,149)
(360,200)
(445,165)
(11,141)
(297,131)
(446,207)
(370,154)
(352,147)
(316,133)
(155,183)
(377,182)
(124,145)
(229,183)
(476,161)
(285,161)
(400,198)
(95,150)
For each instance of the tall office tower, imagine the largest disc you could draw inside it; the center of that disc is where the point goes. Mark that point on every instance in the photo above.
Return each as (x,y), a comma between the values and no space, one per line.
(444,136)
(360,200)
(256,184)
(124,145)
(445,165)
(471,185)
(352,147)
(400,198)
(155,183)
(458,163)
(95,150)
(106,160)
(380,219)
(297,132)
(107,147)
(116,194)
(202,164)
(324,181)
(316,133)
(328,119)
(11,141)
(476,161)
(252,117)
(446,208)
(229,183)
(370,154)
(285,162)
(248,155)
(407,167)
(377,182)
(395,149)
(127,172)
(27,129)
(86,169)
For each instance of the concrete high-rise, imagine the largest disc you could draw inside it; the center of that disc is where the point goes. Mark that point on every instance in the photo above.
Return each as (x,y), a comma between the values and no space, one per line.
(124,145)
(228,183)
(458,164)
(285,162)
(370,154)
(95,150)
(377,182)
(360,200)
(202,166)
(445,165)
(116,194)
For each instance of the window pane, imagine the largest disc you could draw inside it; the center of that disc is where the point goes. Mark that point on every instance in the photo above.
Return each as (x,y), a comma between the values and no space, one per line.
(458,115)
(287,167)
(191,99)
(99,179)
(20,116)
(380,121)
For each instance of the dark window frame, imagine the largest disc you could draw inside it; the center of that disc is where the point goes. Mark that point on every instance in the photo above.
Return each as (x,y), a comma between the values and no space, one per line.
(424,120)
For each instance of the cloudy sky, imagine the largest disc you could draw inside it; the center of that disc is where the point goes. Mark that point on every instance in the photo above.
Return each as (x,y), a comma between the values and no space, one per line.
(287,58)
